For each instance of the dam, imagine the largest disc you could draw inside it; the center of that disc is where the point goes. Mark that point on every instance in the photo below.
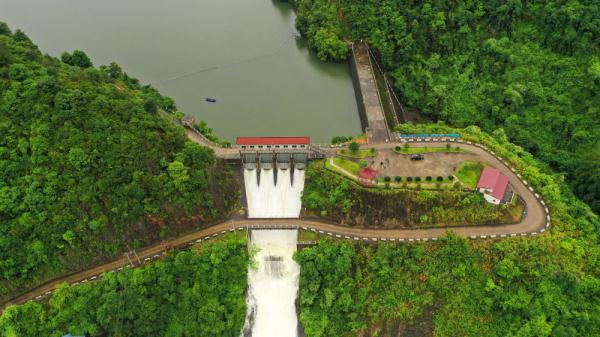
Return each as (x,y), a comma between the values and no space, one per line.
(274,174)
(274,180)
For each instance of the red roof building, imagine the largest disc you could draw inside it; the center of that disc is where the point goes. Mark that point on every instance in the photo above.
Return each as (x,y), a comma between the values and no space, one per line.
(492,183)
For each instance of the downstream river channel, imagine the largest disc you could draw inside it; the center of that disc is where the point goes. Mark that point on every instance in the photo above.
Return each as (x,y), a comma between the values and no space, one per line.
(241,52)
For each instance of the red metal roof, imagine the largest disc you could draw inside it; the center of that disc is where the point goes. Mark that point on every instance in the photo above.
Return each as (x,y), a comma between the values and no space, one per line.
(488,178)
(492,179)
(271,140)
(500,188)
(368,173)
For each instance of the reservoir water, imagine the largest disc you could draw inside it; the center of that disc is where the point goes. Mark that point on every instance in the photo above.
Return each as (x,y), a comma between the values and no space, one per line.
(242,52)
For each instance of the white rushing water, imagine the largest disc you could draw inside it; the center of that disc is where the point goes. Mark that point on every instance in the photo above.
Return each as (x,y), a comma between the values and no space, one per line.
(273,285)
(269,200)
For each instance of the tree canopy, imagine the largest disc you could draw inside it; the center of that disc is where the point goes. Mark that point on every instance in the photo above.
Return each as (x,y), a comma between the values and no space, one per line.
(544,285)
(88,168)
(531,67)
(191,293)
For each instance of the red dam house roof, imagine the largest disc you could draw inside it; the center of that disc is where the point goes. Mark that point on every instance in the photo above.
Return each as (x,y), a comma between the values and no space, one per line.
(492,179)
(272,140)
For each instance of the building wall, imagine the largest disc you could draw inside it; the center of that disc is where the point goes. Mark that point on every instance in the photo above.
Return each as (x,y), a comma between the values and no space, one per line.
(273,147)
(484,190)
(491,199)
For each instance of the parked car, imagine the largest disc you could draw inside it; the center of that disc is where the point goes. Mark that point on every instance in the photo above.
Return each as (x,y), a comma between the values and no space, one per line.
(417,156)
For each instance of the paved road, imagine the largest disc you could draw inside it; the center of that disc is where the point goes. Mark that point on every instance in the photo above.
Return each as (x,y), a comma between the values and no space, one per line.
(534,221)
(221,152)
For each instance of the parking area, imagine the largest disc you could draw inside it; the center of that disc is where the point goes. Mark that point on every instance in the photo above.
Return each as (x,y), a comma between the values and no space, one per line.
(389,163)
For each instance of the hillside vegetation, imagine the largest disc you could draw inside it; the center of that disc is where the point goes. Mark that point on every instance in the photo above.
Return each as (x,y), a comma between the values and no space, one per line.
(341,200)
(546,285)
(89,168)
(187,294)
(529,66)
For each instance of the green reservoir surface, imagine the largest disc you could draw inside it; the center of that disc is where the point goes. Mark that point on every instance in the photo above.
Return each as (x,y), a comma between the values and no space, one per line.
(242,52)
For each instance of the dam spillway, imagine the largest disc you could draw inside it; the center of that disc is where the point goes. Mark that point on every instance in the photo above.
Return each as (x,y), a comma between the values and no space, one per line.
(274,193)
(273,180)
(273,285)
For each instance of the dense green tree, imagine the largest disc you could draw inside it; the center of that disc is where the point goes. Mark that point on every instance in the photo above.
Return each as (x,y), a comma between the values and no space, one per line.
(354,147)
(78,59)
(150,106)
(86,172)
(185,294)
(528,66)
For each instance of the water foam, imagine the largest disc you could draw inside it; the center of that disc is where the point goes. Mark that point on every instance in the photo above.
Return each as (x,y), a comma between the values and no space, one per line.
(273,285)
(267,199)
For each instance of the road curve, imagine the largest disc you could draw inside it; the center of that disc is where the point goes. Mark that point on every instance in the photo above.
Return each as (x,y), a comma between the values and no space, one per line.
(535,221)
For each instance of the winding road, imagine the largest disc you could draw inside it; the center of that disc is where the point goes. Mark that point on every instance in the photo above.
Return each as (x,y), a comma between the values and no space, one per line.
(535,221)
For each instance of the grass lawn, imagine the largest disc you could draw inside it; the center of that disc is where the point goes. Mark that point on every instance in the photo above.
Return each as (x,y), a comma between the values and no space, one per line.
(347,165)
(362,153)
(413,150)
(468,173)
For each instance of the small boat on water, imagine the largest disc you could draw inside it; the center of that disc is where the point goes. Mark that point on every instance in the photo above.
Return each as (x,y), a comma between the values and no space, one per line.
(211,100)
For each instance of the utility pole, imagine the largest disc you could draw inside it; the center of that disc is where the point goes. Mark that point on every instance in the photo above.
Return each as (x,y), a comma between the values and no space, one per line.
(130,262)
(134,253)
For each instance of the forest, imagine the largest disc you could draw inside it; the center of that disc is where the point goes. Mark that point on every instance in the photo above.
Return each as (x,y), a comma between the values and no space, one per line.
(531,67)
(199,292)
(546,285)
(90,167)
(336,198)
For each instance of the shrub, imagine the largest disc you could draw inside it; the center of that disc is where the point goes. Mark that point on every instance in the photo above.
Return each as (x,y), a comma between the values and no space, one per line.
(417,179)
(428,178)
(340,140)
(397,179)
(397,148)
(440,178)
(354,147)
(362,163)
(387,179)
(409,179)
(448,146)
(450,177)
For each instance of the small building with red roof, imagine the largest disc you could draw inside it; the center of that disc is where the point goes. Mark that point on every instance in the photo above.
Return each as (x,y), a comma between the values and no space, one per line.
(493,184)
(367,175)
(272,142)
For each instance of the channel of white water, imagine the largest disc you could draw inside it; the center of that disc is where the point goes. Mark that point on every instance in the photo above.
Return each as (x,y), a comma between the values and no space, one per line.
(273,285)
(269,200)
